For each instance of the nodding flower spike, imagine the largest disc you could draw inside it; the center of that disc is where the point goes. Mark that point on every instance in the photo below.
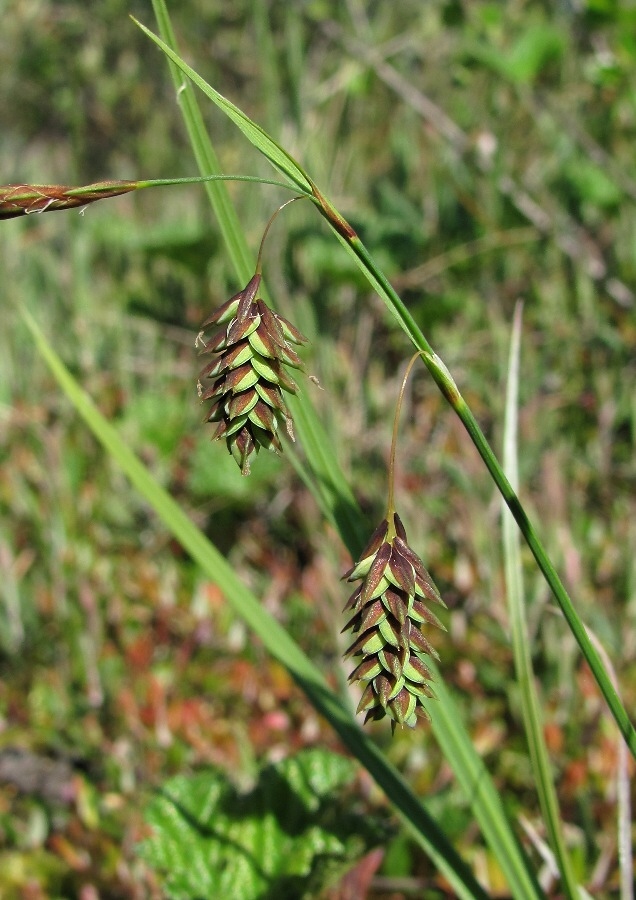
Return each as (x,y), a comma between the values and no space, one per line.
(387,611)
(249,376)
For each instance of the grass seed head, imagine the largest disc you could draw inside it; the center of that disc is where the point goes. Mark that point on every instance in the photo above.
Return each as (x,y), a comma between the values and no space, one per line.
(24,199)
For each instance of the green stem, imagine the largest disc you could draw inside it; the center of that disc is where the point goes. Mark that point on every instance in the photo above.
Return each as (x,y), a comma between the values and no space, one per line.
(25,199)
(272,219)
(449,389)
(390,504)
(201,179)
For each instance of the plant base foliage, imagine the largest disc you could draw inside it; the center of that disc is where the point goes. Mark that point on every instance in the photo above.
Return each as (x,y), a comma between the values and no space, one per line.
(292,835)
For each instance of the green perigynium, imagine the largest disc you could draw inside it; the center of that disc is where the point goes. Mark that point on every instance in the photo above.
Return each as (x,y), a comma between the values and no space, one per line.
(253,347)
(388,612)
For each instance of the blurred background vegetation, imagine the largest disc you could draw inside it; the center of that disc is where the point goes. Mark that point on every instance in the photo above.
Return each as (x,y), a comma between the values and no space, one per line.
(484,151)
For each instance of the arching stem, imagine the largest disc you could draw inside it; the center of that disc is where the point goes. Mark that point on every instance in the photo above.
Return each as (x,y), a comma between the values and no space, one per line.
(269,225)
(390,506)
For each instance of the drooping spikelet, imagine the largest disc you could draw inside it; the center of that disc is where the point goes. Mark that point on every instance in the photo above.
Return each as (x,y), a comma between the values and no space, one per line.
(23,199)
(388,611)
(248,374)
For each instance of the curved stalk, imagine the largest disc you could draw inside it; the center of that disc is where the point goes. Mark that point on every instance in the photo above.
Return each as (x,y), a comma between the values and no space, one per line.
(271,221)
(449,389)
(390,505)
(288,166)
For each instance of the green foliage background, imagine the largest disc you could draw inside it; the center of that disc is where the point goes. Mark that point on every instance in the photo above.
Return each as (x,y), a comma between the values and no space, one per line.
(484,153)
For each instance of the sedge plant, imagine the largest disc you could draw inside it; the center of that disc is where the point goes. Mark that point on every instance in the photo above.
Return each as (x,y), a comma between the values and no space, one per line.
(251,351)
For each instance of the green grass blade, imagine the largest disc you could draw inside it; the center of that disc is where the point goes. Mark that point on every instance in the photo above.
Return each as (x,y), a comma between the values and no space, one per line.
(207,161)
(272,91)
(333,492)
(255,134)
(530,705)
(478,786)
(274,637)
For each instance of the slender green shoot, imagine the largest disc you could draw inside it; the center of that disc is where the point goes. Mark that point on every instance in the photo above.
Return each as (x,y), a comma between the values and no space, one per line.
(530,705)
(27,199)
(390,503)
(272,219)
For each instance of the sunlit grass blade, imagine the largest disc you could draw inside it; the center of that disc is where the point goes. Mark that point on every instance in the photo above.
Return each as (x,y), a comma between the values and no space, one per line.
(279,158)
(277,641)
(480,789)
(207,161)
(623,801)
(530,705)
(256,135)
(272,90)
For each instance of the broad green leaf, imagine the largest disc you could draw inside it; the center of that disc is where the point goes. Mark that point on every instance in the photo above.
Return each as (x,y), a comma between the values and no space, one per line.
(294,833)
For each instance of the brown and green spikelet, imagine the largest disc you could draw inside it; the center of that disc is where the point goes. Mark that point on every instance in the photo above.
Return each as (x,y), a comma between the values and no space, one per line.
(388,612)
(22,199)
(248,374)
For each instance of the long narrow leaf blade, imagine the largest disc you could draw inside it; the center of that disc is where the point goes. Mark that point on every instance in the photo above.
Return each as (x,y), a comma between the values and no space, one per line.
(256,135)
(208,163)
(478,786)
(273,635)
(328,485)
(530,703)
